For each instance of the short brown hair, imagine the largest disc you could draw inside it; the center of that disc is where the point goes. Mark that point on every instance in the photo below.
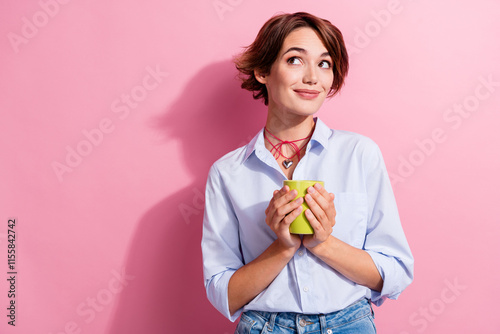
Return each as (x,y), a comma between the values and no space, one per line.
(262,53)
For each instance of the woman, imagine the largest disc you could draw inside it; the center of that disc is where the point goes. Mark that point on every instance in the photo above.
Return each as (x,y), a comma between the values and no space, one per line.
(358,254)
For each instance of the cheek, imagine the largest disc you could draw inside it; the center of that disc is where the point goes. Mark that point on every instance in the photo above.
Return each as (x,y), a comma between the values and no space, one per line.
(328,80)
(279,84)
(286,78)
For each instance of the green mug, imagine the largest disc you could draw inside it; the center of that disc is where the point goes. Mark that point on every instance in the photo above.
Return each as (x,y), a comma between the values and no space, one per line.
(301,225)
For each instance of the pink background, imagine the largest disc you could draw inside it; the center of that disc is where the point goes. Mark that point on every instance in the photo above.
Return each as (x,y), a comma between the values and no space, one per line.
(112,243)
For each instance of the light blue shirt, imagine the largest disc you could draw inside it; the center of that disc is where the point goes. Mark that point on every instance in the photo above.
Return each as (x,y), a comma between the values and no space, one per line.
(239,188)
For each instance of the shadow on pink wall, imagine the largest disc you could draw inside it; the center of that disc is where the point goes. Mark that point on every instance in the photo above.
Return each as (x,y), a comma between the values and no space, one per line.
(212,117)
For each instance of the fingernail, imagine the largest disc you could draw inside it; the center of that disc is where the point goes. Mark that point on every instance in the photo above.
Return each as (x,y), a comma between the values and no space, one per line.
(311,190)
(308,197)
(317,186)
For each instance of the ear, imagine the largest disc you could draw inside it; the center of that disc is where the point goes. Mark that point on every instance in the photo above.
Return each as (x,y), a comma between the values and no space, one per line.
(262,78)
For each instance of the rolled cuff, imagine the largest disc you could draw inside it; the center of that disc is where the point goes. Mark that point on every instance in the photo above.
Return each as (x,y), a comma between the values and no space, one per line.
(217,293)
(395,274)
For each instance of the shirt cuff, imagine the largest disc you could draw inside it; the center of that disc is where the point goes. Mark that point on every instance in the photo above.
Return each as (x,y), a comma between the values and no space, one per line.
(217,294)
(390,271)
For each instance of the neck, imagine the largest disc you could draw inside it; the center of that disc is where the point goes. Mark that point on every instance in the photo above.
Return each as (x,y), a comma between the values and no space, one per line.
(290,128)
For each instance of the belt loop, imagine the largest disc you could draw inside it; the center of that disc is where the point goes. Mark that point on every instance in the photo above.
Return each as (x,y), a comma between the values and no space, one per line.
(371,309)
(272,319)
(322,322)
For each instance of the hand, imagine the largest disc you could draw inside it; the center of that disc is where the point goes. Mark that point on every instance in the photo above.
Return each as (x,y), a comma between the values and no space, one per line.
(321,215)
(281,212)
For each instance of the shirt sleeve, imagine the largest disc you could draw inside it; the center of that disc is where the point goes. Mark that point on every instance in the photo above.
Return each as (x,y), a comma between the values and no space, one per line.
(385,240)
(220,244)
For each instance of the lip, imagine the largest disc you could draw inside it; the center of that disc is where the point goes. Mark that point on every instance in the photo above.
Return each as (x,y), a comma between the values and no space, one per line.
(307,94)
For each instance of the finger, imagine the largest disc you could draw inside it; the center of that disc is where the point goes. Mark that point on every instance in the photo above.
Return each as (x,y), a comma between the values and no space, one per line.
(322,197)
(325,217)
(284,190)
(279,192)
(268,209)
(285,196)
(287,209)
(315,208)
(313,221)
(285,223)
(276,195)
(282,204)
(332,196)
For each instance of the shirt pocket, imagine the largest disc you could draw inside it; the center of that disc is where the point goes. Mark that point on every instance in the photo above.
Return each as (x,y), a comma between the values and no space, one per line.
(351,219)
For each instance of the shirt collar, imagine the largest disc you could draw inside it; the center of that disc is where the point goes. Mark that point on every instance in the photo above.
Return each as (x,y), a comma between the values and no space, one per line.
(320,135)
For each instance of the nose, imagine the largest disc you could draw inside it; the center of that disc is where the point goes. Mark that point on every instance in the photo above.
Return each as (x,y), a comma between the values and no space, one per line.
(310,75)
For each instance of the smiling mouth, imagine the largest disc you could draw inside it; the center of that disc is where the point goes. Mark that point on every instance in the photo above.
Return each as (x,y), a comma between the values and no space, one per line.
(307,94)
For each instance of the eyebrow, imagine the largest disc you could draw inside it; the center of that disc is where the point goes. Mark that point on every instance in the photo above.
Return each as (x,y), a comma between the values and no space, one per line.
(301,50)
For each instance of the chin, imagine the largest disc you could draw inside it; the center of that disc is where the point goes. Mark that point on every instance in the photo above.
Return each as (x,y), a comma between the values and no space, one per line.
(306,110)
(301,107)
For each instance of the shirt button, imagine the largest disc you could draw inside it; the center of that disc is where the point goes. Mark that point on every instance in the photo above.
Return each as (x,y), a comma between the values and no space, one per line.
(301,253)
(306,289)
(329,331)
(302,322)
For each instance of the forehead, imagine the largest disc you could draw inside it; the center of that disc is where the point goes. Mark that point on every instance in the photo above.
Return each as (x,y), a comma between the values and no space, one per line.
(305,38)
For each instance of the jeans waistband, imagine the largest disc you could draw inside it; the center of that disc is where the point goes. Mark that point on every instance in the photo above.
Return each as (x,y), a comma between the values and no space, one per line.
(351,313)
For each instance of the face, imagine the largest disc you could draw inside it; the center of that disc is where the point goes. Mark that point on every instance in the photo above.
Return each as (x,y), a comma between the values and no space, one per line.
(301,75)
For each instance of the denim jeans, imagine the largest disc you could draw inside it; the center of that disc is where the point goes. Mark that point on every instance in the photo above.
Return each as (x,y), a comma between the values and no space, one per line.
(354,319)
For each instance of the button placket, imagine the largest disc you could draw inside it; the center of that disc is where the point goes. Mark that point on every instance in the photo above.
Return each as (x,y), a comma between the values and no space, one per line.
(302,266)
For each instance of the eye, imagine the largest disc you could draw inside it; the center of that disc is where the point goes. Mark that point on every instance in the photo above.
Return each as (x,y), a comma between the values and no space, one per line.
(325,64)
(294,61)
